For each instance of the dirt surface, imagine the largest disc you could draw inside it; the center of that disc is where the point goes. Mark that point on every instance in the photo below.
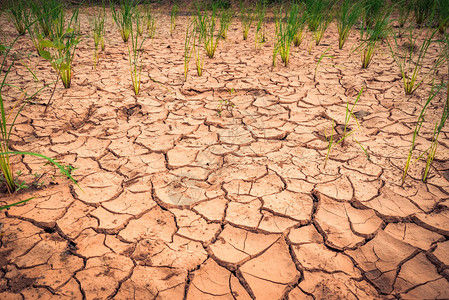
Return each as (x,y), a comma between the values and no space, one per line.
(177,202)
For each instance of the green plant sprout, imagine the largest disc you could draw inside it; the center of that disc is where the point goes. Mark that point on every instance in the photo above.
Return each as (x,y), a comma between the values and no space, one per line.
(98,31)
(205,24)
(150,21)
(246,17)
(423,10)
(19,13)
(286,29)
(135,60)
(61,47)
(259,36)
(347,16)
(199,62)
(349,114)
(226,104)
(173,17)
(226,16)
(46,12)
(443,15)
(139,21)
(436,133)
(123,17)
(323,55)
(404,8)
(318,13)
(189,45)
(372,11)
(409,57)
(300,33)
(372,36)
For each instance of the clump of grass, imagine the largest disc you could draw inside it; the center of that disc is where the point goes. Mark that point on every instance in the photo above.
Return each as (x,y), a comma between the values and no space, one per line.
(199,62)
(372,11)
(246,17)
(98,31)
(410,56)
(423,10)
(46,12)
(205,23)
(319,16)
(19,13)
(300,33)
(443,15)
(404,8)
(226,16)
(348,116)
(173,17)
(189,46)
(123,17)
(259,36)
(372,36)
(347,16)
(150,20)
(61,46)
(286,29)
(135,52)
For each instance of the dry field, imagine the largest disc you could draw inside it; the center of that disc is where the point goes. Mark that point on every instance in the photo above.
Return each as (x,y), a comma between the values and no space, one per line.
(178,202)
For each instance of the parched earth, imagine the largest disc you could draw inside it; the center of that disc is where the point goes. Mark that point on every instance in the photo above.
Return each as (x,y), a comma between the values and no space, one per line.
(177,202)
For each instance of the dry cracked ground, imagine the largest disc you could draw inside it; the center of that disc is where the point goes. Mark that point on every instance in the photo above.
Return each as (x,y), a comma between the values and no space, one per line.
(176,202)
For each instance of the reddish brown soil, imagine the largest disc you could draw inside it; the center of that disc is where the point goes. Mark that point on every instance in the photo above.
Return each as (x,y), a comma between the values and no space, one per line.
(180,203)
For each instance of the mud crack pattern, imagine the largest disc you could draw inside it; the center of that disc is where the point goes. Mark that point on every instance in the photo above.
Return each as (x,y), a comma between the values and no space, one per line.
(180,203)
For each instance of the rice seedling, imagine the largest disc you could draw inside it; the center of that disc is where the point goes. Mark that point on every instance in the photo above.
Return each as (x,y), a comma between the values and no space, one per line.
(404,8)
(173,17)
(150,20)
(319,16)
(409,57)
(322,56)
(19,14)
(139,21)
(46,12)
(205,23)
(226,16)
(227,105)
(123,17)
(135,60)
(61,47)
(345,134)
(98,30)
(7,123)
(443,15)
(246,17)
(286,29)
(436,134)
(423,10)
(300,33)
(199,61)
(259,37)
(418,126)
(372,11)
(347,16)
(189,46)
(372,36)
